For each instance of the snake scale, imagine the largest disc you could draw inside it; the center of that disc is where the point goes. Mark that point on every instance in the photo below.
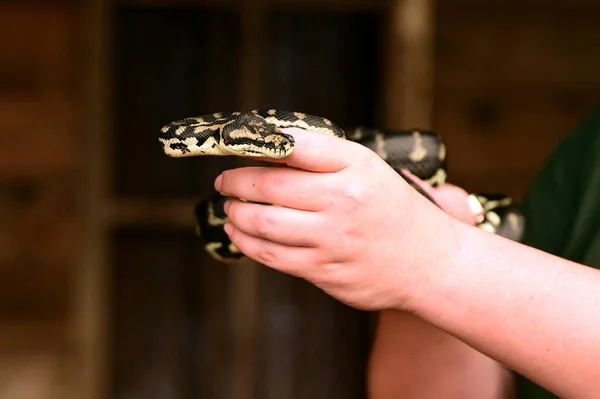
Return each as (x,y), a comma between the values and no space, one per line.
(256,133)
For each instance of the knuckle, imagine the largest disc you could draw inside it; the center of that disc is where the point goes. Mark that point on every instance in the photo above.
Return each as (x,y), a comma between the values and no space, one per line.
(233,235)
(337,252)
(356,193)
(263,222)
(319,259)
(233,210)
(266,255)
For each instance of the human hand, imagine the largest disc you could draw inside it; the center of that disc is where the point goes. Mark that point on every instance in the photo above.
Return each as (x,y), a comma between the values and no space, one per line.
(346,222)
(454,200)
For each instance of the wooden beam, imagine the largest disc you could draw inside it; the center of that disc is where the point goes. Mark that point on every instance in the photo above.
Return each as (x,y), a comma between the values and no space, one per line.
(409,65)
(139,212)
(91,283)
(19,338)
(244,279)
(333,5)
(338,5)
(252,14)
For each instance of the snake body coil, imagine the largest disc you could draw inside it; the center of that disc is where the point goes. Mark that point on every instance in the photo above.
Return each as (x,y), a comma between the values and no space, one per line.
(256,133)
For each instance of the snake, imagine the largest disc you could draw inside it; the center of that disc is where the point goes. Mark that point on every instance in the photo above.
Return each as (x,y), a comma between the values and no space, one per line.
(257,133)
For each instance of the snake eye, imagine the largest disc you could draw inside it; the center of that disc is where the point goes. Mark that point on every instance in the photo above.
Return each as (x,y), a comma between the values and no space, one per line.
(260,140)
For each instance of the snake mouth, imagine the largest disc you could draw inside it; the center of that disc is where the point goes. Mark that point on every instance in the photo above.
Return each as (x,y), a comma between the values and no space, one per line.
(262,152)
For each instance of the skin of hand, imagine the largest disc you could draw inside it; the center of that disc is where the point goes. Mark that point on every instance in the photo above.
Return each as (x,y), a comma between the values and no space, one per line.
(353,227)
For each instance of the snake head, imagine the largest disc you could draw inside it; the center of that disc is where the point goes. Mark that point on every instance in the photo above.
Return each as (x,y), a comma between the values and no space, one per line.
(251,135)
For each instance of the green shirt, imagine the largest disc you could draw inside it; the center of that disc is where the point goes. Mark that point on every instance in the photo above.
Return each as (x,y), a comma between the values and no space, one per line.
(562,209)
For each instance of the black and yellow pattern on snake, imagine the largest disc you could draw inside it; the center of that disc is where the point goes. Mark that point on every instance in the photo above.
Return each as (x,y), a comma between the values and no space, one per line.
(256,133)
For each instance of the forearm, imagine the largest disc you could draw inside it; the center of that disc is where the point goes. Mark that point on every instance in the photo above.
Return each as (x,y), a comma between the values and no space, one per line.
(536,313)
(413,359)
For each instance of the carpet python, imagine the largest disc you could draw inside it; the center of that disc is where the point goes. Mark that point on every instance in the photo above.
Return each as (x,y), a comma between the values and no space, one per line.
(256,133)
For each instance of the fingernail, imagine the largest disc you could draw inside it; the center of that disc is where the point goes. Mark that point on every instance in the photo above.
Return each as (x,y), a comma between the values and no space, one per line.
(475,207)
(228,228)
(218,182)
(226,206)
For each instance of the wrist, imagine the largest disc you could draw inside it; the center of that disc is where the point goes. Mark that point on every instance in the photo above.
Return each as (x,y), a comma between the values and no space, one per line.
(439,270)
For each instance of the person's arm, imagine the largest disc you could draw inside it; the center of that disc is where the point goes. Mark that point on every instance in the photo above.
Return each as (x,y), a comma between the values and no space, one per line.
(412,359)
(536,313)
(347,223)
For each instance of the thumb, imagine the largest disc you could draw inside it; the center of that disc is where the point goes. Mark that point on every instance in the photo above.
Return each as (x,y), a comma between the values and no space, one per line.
(317,152)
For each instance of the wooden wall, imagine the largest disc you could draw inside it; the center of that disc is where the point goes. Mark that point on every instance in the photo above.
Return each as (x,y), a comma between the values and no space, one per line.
(511,79)
(39,161)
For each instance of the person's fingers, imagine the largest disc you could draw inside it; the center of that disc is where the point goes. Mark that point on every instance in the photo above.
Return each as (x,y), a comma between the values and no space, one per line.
(455,202)
(294,261)
(282,225)
(426,187)
(287,187)
(452,199)
(318,152)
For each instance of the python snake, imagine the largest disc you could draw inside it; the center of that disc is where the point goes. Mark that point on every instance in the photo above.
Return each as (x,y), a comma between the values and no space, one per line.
(256,133)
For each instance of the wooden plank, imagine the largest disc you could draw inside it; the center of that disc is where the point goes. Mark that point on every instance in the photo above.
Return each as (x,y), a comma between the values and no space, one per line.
(36,135)
(91,329)
(36,86)
(524,50)
(34,336)
(38,58)
(181,3)
(517,5)
(331,5)
(141,212)
(155,284)
(252,19)
(505,135)
(39,158)
(35,290)
(243,292)
(35,279)
(511,81)
(409,65)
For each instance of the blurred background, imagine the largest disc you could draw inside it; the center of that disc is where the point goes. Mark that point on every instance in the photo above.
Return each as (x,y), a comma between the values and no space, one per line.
(104,290)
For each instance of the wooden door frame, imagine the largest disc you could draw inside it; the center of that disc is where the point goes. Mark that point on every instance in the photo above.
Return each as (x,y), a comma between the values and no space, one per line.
(407,99)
